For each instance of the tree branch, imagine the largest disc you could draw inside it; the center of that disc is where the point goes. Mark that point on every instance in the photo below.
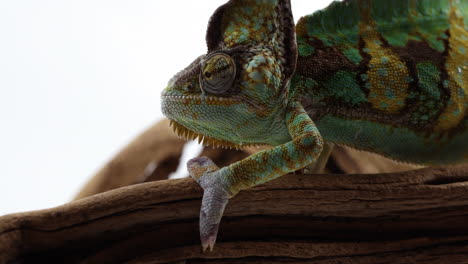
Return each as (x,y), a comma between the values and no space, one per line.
(415,216)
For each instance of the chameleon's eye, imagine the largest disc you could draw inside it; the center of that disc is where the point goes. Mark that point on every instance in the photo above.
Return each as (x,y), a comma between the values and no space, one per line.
(218,73)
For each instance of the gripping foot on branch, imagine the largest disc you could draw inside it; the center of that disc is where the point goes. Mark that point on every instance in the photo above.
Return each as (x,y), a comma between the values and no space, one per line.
(215,198)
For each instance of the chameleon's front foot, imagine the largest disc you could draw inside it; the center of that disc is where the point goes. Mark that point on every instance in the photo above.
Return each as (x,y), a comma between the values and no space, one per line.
(215,198)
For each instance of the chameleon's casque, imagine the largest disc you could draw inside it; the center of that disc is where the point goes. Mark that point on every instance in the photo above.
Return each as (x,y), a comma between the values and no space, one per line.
(389,77)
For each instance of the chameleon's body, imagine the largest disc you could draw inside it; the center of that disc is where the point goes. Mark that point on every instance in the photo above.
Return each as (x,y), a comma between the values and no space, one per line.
(385,76)
(394,83)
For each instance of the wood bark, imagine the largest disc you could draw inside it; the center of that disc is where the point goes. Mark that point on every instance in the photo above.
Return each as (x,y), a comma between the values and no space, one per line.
(416,216)
(408,216)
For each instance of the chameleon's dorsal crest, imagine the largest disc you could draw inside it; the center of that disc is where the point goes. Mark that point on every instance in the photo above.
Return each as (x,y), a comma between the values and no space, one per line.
(255,23)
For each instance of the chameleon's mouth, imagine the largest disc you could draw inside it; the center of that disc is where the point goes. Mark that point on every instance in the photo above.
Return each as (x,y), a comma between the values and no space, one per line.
(185,113)
(198,99)
(188,134)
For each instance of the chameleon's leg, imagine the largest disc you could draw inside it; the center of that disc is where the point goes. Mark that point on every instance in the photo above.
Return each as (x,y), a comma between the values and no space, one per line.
(221,184)
(319,165)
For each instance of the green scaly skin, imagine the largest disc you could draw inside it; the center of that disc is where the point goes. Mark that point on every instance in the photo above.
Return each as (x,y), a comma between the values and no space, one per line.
(389,77)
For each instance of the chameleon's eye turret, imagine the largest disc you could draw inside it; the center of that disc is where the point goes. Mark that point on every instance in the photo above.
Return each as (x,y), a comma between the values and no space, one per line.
(218,73)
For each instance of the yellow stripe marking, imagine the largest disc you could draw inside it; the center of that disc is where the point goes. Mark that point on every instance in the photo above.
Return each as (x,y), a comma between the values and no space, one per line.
(387,77)
(457,68)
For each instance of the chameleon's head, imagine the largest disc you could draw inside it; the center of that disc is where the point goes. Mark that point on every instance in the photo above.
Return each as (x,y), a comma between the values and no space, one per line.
(237,92)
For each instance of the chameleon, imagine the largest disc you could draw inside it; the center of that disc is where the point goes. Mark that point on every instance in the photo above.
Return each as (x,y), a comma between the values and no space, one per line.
(383,76)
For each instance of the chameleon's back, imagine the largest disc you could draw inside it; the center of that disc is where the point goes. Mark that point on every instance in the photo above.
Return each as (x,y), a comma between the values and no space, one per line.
(389,76)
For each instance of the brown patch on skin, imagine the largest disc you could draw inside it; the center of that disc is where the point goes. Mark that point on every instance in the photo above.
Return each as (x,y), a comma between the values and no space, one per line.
(324,62)
(260,110)
(419,51)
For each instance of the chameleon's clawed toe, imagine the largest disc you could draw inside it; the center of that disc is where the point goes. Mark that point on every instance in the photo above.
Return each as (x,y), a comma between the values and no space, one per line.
(215,199)
(208,239)
(212,209)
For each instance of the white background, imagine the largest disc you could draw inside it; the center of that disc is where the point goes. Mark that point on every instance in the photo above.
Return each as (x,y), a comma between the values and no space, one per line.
(80,78)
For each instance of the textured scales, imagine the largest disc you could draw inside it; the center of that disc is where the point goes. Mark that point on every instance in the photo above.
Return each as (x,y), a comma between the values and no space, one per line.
(392,80)
(388,77)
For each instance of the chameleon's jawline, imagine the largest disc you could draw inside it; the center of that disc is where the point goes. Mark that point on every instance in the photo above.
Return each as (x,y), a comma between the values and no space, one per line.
(188,134)
(199,98)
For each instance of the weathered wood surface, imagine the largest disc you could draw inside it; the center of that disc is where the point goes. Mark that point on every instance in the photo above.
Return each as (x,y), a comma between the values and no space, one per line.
(417,216)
